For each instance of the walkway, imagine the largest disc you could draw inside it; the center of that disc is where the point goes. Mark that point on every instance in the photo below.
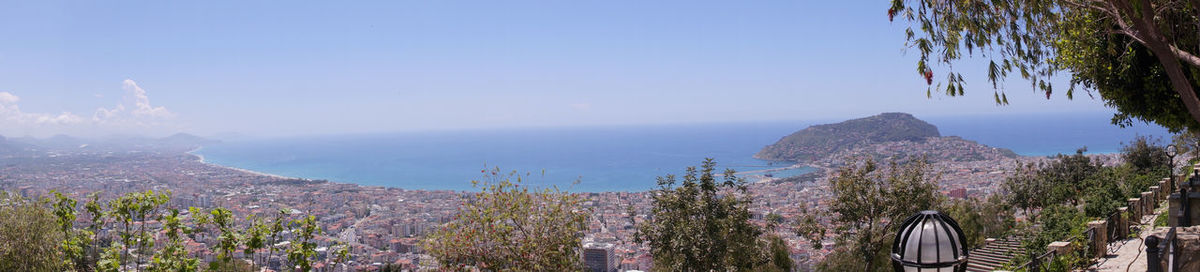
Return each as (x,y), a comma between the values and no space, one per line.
(1129,254)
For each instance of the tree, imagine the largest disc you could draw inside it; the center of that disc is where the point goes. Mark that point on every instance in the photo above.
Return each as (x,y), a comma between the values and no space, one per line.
(220,220)
(303,248)
(1066,176)
(981,218)
(75,241)
(1022,189)
(868,203)
(1065,179)
(1187,143)
(703,225)
(136,207)
(28,240)
(1146,156)
(173,257)
(509,227)
(1125,50)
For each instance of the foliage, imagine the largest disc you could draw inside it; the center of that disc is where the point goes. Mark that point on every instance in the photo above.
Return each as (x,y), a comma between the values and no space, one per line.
(1162,219)
(173,257)
(219,220)
(509,227)
(1104,191)
(704,225)
(136,208)
(75,241)
(1146,156)
(1187,143)
(303,249)
(1024,188)
(981,218)
(1135,54)
(1057,223)
(27,243)
(868,204)
(43,236)
(1061,180)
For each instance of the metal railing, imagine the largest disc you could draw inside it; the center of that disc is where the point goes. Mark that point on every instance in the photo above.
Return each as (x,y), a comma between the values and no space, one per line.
(1159,248)
(1114,230)
(1080,249)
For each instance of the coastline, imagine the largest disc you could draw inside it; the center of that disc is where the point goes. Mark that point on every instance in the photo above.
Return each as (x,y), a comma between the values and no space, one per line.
(200,159)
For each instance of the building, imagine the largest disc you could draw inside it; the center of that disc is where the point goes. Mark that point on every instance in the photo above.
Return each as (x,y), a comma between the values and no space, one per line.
(599,257)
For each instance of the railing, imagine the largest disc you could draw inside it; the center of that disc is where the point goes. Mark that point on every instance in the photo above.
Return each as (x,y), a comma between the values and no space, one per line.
(1118,226)
(1114,230)
(1040,263)
(1157,249)
(1074,247)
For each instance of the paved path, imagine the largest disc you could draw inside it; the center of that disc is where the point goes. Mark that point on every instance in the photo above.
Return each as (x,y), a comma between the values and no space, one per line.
(1129,254)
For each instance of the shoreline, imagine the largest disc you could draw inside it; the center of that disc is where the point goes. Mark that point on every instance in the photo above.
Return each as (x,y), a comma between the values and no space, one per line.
(200,159)
(757,175)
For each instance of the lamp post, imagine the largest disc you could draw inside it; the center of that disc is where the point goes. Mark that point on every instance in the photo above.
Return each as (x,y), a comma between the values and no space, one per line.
(1171,152)
(1185,220)
(929,241)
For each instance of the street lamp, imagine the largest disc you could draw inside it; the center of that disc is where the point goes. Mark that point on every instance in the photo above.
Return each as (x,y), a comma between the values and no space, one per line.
(929,241)
(1171,152)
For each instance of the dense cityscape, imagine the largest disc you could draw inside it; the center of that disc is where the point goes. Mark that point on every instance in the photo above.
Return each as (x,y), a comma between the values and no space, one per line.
(385,225)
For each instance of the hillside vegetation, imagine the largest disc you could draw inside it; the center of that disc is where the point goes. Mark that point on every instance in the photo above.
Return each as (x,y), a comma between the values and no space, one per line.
(818,141)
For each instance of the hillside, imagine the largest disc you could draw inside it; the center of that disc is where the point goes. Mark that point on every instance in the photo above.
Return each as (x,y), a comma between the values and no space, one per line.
(817,142)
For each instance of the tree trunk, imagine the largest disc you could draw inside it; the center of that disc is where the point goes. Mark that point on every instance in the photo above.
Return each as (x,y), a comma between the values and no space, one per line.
(1181,84)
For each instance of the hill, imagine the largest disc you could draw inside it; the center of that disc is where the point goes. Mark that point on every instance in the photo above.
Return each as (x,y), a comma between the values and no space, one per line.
(10,148)
(64,145)
(817,142)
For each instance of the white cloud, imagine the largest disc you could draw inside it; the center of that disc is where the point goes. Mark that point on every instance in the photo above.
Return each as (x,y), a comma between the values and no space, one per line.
(134,114)
(8,98)
(135,110)
(142,102)
(10,113)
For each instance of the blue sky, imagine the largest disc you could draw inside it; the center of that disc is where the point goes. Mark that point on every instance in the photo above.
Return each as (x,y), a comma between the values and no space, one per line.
(277,68)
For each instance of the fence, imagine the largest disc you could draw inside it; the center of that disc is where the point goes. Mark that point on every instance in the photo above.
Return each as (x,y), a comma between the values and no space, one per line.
(1115,227)
(1157,249)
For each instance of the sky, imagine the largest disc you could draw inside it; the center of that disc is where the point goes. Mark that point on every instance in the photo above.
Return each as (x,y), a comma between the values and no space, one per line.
(282,68)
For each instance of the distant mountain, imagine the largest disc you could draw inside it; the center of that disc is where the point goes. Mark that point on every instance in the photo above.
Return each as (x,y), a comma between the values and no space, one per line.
(55,142)
(817,142)
(10,148)
(63,144)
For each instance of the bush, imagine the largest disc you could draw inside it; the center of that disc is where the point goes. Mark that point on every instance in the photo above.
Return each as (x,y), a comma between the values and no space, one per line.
(28,238)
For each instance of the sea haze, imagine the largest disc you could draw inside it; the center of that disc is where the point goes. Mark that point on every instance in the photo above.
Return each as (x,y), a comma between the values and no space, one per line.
(613,158)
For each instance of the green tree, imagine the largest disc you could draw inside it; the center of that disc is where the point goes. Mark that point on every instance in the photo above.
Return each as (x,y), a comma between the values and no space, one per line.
(867,205)
(1024,189)
(981,218)
(221,221)
(75,241)
(509,227)
(303,250)
(28,239)
(1134,53)
(704,225)
(1066,176)
(96,214)
(135,209)
(1187,143)
(1146,155)
(174,256)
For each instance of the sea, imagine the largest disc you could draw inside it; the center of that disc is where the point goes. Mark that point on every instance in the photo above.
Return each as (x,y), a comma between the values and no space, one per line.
(617,158)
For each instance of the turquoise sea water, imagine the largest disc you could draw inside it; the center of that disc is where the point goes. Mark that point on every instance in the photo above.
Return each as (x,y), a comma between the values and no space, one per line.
(624,158)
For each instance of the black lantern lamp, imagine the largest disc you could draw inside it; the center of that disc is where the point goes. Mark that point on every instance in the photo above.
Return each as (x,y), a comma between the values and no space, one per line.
(1171,153)
(930,241)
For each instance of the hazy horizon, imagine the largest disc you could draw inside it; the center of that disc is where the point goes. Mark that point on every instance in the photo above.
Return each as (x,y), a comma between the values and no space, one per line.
(279,70)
